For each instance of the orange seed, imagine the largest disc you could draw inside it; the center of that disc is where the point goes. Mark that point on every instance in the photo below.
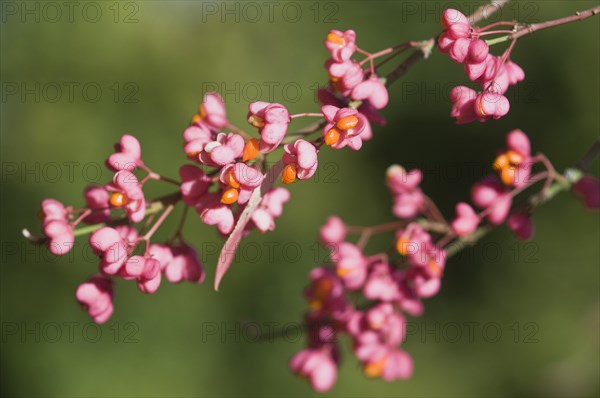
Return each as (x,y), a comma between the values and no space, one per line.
(229,196)
(231,180)
(346,123)
(336,39)
(289,174)
(250,150)
(332,137)
(118,199)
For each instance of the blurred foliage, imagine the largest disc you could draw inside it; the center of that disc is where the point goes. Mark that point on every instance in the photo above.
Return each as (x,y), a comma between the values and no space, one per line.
(163,59)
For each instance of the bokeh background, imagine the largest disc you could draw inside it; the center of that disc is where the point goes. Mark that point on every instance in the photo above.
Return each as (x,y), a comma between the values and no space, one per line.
(512,319)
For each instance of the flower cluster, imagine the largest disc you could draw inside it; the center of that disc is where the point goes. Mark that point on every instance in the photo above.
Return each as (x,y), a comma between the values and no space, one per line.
(368,296)
(463,44)
(229,169)
(349,82)
(113,209)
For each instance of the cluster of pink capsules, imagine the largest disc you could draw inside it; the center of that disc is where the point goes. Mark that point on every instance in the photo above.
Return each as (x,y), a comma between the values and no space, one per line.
(229,184)
(368,296)
(464,45)
(229,167)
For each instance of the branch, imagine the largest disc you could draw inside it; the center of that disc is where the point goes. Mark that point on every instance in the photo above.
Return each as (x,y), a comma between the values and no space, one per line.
(534,201)
(155,206)
(586,161)
(423,51)
(484,12)
(524,30)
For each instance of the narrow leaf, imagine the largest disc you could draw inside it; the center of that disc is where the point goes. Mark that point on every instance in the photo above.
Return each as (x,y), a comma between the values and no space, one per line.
(228,251)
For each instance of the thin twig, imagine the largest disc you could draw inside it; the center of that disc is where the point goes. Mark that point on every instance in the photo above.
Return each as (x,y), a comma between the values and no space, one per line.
(524,30)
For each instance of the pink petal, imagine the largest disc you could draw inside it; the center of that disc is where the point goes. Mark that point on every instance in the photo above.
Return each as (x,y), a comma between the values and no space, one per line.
(104,238)
(518,141)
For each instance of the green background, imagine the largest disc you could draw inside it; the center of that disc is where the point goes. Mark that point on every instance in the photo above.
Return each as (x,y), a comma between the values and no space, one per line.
(542,296)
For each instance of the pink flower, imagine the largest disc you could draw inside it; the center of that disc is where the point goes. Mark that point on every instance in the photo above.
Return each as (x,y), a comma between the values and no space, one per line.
(493,68)
(588,190)
(194,184)
(372,90)
(300,159)
(213,212)
(53,210)
(316,365)
(380,284)
(270,208)
(476,71)
(221,216)
(459,50)
(494,75)
(471,52)
(223,150)
(389,323)
(478,51)
(382,360)
(367,343)
(351,265)
(127,193)
(161,252)
(491,195)
(196,137)
(96,296)
(521,225)
(112,248)
(409,301)
(146,271)
(514,165)
(341,45)
(344,76)
(414,242)
(128,154)
(184,265)
(398,365)
(426,260)
(333,232)
(466,220)
(490,105)
(445,42)
(212,112)
(240,180)
(458,42)
(515,73)
(452,17)
(272,121)
(457,29)
(463,104)
(326,291)
(408,197)
(344,127)
(56,227)
(426,280)
(178,263)
(128,233)
(97,199)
